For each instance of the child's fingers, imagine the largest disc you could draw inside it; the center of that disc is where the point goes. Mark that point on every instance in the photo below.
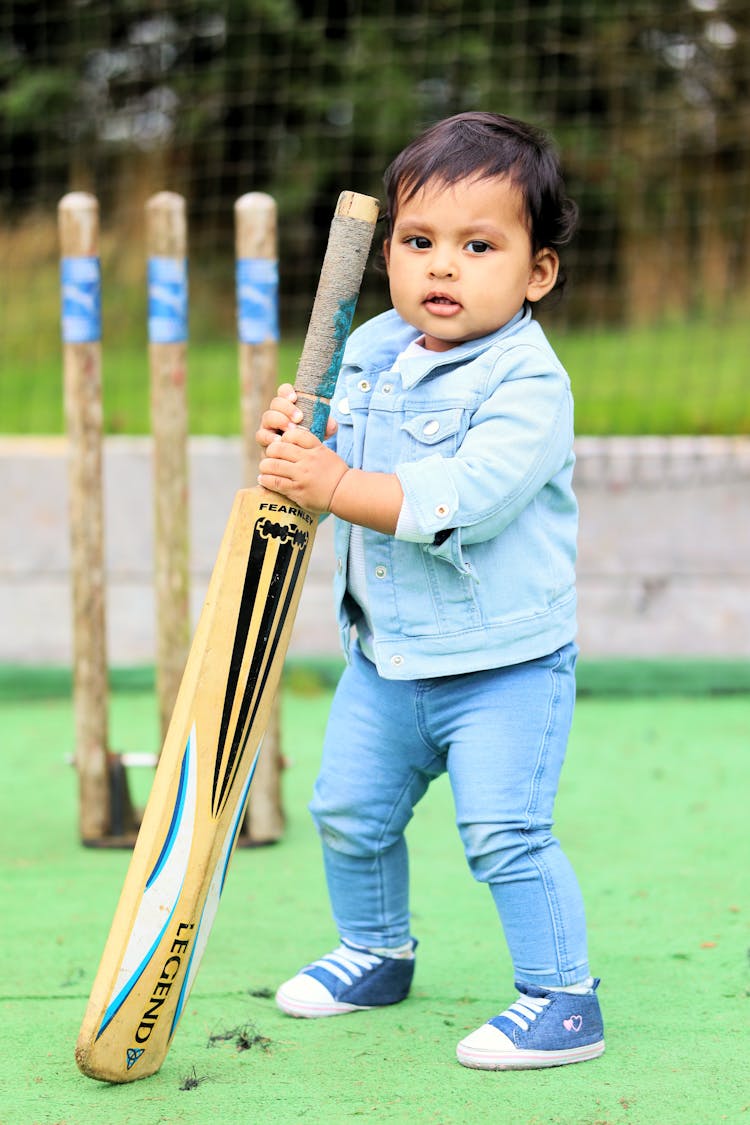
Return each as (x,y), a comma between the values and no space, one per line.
(270,429)
(292,446)
(278,462)
(286,409)
(299,436)
(281,416)
(281,449)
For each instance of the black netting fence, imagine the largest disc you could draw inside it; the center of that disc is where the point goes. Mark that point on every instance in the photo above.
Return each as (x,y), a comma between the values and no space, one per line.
(649,101)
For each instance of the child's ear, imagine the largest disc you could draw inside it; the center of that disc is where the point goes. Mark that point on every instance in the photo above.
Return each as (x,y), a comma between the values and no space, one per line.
(543,275)
(387,253)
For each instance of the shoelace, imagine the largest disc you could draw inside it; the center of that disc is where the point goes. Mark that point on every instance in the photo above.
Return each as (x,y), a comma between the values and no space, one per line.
(525,1010)
(346,963)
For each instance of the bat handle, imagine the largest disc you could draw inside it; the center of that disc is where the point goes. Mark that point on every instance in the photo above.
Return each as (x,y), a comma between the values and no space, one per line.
(344,263)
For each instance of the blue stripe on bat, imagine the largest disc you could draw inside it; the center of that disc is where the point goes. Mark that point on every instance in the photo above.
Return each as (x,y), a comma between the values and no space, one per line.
(124,992)
(175,822)
(167,847)
(238,818)
(233,834)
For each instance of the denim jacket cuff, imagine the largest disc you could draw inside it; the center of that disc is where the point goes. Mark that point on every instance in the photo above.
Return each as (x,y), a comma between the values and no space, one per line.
(430,496)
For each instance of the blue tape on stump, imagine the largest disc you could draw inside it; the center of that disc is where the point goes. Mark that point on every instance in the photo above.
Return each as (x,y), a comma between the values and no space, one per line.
(81,300)
(167,300)
(257,300)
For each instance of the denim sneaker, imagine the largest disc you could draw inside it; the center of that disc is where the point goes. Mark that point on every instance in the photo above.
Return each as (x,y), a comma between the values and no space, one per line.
(351,979)
(543,1028)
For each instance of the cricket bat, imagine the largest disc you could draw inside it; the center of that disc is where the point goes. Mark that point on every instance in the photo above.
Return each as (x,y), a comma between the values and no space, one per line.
(198,797)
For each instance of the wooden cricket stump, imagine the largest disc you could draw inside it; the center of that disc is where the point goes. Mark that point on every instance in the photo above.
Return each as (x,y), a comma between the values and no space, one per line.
(166,247)
(258,333)
(105,812)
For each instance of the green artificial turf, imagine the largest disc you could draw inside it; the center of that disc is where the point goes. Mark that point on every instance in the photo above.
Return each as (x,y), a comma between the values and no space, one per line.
(653,813)
(650,380)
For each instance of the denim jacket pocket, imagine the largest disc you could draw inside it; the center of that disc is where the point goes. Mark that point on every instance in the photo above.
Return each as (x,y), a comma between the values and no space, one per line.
(435,431)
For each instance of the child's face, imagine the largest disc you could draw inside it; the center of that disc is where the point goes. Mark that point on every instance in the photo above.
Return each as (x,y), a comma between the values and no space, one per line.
(460,263)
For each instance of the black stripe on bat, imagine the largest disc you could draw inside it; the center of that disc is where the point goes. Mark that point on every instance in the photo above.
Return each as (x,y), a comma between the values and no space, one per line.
(264,532)
(256,683)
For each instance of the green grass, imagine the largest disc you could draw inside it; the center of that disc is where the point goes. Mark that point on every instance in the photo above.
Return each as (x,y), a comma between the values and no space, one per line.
(678,377)
(652,381)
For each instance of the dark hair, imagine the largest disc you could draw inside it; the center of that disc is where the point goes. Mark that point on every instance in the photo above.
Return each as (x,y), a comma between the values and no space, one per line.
(481,145)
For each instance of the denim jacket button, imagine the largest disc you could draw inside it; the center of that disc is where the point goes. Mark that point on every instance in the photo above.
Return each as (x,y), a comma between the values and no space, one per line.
(380,571)
(442,510)
(363,385)
(387,388)
(344,406)
(340,565)
(397,661)
(431,428)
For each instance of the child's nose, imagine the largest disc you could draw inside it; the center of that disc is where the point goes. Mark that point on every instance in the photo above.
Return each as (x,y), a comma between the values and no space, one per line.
(442,265)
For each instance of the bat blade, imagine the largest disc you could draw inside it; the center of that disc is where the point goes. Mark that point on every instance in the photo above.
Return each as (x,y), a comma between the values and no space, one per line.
(198,797)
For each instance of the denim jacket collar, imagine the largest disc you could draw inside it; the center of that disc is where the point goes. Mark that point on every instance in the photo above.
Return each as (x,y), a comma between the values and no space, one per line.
(371,347)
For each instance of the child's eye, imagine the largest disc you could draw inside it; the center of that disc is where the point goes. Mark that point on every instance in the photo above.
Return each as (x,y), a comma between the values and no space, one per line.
(419,242)
(477,246)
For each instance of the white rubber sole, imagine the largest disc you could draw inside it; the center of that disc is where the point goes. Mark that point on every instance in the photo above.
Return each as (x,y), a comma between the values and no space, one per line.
(488,1059)
(312,1009)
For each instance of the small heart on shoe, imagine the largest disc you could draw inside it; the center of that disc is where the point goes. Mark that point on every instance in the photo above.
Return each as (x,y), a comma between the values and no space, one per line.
(573,1023)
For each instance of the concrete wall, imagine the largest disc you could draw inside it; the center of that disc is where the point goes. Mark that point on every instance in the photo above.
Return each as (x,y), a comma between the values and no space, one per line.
(664,563)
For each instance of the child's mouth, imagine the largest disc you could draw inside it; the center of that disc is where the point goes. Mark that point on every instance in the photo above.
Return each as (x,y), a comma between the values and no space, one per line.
(441,305)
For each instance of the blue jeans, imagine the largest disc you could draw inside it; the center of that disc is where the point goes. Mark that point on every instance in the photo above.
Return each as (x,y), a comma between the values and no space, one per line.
(501,735)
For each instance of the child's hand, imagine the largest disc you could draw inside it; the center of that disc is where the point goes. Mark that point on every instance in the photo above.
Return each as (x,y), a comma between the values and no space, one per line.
(280,415)
(301,468)
(283,415)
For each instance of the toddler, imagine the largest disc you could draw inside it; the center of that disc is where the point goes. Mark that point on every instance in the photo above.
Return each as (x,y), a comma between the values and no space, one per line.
(448,468)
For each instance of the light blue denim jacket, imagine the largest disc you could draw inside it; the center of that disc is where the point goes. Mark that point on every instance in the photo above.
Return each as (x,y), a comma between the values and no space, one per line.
(481,440)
